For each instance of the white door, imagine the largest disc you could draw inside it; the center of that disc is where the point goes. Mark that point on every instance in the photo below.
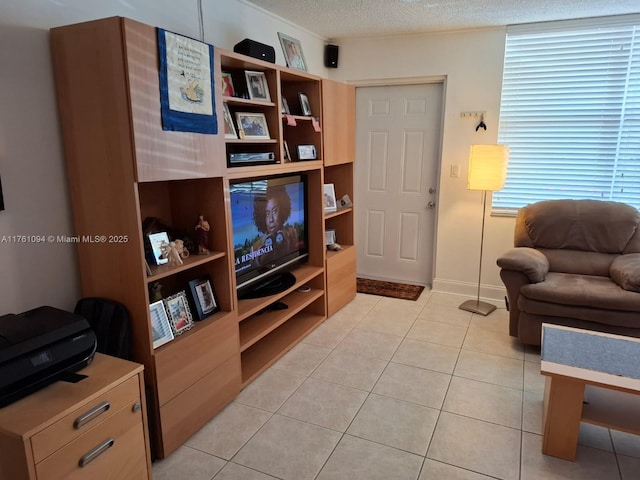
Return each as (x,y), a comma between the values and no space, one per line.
(398,134)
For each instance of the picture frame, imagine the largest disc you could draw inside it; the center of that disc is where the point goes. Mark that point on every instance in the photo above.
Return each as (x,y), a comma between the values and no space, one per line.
(227,85)
(257,86)
(229,127)
(156,240)
(179,312)
(305,106)
(307,152)
(203,297)
(161,332)
(329,198)
(287,155)
(292,50)
(329,236)
(252,125)
(285,107)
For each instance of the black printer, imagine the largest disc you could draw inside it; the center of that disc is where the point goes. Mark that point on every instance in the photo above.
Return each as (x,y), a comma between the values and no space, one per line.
(41,346)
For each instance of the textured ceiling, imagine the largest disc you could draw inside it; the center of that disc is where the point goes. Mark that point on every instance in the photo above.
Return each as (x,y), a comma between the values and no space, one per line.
(335,19)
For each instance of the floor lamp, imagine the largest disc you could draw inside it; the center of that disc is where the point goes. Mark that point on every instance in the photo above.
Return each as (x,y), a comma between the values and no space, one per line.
(487,172)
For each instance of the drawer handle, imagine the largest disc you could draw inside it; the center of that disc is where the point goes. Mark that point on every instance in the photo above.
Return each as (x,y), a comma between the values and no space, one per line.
(91,414)
(89,457)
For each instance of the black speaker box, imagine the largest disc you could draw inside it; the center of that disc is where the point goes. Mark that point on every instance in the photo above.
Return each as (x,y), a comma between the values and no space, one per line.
(331,56)
(256,50)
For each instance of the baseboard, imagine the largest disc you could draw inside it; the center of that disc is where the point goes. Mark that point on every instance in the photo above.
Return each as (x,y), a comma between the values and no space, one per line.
(493,293)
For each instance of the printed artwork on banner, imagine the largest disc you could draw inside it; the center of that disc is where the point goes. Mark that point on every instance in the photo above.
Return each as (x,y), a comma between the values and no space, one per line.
(187,92)
(189,75)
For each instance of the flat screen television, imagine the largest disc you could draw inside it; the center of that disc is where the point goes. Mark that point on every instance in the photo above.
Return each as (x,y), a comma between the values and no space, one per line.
(269,228)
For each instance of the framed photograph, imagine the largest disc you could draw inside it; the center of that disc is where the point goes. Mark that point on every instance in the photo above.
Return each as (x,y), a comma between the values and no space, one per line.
(329,198)
(307,152)
(252,125)
(292,52)
(227,85)
(160,328)
(257,86)
(329,237)
(285,107)
(229,127)
(179,313)
(305,107)
(156,240)
(287,155)
(204,297)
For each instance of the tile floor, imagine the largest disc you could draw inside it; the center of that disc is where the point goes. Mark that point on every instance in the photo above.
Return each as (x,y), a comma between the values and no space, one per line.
(393,389)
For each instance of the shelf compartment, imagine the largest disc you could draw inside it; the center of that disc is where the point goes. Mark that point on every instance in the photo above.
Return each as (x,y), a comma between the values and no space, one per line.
(264,353)
(304,273)
(270,170)
(258,326)
(162,271)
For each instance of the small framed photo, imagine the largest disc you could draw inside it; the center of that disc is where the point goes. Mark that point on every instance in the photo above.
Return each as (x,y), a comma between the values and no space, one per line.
(179,313)
(227,85)
(329,237)
(257,86)
(305,107)
(287,155)
(285,107)
(329,198)
(156,240)
(204,297)
(229,127)
(307,152)
(160,328)
(252,125)
(292,52)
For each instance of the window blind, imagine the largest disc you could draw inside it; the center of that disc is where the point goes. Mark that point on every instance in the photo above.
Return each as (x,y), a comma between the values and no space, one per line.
(570,112)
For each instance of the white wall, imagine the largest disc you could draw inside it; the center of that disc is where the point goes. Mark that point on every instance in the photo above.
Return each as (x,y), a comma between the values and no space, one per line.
(472,62)
(31,158)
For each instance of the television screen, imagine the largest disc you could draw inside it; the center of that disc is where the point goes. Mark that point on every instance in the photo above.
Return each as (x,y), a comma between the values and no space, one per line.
(268,218)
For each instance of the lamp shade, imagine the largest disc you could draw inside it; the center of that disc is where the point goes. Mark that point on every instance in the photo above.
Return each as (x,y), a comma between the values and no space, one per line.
(488,167)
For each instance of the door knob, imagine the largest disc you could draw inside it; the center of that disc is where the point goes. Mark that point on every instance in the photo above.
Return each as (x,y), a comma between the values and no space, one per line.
(432,190)
(431,204)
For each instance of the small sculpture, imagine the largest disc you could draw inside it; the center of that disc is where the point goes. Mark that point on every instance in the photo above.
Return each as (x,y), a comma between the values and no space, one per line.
(202,235)
(156,291)
(182,251)
(170,252)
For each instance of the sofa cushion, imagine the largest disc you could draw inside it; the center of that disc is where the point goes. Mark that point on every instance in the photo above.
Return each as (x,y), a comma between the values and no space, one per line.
(577,225)
(582,290)
(625,271)
(575,261)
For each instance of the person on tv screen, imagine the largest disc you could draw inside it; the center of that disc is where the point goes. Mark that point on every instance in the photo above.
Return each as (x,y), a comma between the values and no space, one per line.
(270,214)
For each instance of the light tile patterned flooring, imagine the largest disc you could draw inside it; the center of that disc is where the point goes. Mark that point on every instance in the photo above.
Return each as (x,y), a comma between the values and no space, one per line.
(397,390)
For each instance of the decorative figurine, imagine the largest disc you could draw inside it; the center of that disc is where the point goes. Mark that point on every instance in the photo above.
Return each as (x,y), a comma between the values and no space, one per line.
(170,252)
(202,235)
(156,291)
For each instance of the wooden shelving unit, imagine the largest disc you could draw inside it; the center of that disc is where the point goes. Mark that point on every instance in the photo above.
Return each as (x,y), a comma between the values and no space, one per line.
(338,101)
(123,169)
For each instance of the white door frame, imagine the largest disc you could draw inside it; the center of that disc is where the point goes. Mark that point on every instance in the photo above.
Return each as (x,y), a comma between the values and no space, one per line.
(390,82)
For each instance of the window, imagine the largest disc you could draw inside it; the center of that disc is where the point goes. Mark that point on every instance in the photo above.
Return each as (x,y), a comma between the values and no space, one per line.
(570,112)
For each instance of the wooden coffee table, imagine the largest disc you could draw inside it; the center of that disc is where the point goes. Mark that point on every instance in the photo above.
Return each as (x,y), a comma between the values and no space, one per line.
(592,377)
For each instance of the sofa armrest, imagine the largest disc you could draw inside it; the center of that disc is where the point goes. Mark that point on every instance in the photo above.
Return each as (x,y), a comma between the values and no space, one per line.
(527,260)
(625,271)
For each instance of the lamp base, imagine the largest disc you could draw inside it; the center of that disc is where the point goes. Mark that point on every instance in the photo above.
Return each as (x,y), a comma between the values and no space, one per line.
(476,306)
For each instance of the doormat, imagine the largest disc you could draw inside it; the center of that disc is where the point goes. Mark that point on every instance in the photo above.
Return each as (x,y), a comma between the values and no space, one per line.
(389,289)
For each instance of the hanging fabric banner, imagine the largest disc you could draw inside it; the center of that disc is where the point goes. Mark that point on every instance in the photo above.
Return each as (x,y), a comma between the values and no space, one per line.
(187,91)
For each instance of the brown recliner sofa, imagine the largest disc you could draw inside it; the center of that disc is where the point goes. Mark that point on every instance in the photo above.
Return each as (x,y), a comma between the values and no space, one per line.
(575,263)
